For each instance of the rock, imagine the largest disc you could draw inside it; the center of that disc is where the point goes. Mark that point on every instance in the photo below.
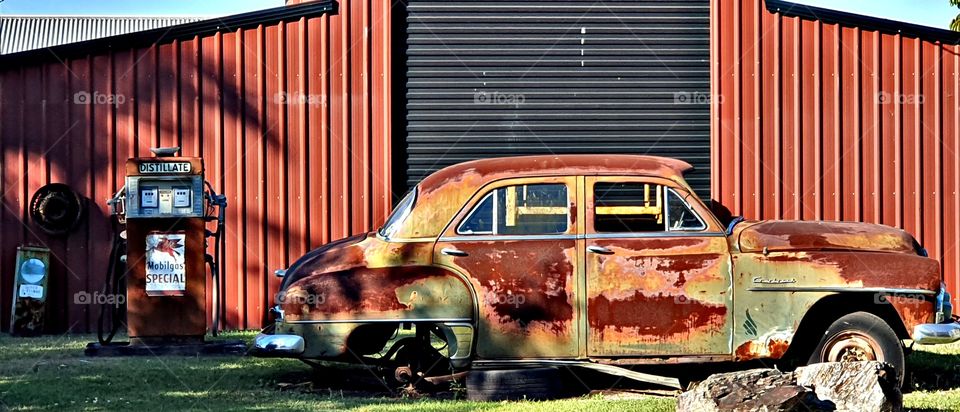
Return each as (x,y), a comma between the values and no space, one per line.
(854,386)
(861,386)
(751,390)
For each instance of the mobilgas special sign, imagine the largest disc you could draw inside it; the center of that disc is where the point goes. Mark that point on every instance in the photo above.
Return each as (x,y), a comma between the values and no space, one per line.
(166,268)
(152,168)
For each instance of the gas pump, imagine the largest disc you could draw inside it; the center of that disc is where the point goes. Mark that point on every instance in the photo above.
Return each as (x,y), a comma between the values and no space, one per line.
(162,214)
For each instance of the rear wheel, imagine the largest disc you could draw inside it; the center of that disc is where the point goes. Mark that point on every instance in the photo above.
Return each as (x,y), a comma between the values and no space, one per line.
(860,336)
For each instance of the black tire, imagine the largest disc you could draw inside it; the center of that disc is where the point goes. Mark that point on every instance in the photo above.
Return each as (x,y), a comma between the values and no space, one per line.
(514,384)
(855,329)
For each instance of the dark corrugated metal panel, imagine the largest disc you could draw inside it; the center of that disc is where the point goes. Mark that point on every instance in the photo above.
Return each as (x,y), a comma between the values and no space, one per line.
(500,78)
(21,33)
(827,120)
(296,175)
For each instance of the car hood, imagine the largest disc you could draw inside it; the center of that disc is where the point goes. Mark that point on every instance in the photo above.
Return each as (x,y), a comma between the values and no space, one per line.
(791,235)
(323,255)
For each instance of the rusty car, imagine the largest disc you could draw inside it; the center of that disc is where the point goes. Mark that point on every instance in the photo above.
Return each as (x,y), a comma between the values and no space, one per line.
(602,262)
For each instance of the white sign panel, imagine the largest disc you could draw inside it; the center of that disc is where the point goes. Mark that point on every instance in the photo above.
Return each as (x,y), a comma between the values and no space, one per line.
(166,268)
(31,291)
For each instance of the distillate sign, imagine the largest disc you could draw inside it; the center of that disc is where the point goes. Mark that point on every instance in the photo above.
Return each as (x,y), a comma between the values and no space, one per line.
(148,168)
(166,268)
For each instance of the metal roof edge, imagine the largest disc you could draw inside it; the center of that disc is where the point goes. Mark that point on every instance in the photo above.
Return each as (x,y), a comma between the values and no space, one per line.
(159,35)
(843,18)
(107,16)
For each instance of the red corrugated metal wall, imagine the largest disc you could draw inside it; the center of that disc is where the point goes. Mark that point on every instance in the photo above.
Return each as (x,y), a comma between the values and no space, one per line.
(296,175)
(814,120)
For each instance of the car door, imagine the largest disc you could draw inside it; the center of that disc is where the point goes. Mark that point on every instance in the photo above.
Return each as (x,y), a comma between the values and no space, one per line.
(516,242)
(657,267)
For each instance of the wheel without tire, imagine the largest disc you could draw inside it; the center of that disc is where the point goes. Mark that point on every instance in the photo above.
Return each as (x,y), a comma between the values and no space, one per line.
(512,384)
(860,336)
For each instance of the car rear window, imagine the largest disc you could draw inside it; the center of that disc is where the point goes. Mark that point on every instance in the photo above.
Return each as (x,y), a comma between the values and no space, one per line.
(641,207)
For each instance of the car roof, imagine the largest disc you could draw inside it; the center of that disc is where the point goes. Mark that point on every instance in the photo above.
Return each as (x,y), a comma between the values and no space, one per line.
(442,194)
(562,165)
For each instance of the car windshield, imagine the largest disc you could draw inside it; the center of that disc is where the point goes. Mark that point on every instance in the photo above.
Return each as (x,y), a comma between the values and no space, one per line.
(399,215)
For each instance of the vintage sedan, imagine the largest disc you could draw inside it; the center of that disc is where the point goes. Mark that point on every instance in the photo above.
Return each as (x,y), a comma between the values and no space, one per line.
(600,262)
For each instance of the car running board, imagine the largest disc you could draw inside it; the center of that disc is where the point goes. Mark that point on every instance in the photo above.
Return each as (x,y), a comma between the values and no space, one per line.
(599,367)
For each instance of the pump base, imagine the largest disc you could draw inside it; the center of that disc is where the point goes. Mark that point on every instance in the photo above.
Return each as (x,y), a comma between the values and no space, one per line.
(217,348)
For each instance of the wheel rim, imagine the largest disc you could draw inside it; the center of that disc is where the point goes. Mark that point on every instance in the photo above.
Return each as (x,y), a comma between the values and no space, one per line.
(851,347)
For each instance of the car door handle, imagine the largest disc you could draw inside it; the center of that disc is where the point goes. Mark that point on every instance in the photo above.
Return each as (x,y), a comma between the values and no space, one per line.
(449,251)
(599,250)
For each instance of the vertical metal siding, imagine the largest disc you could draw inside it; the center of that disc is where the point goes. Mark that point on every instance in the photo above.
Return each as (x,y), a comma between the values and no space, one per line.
(296,175)
(819,120)
(501,78)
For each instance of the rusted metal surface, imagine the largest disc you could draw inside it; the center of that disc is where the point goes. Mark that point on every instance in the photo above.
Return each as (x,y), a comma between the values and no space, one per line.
(527,291)
(659,295)
(827,120)
(582,293)
(771,283)
(798,235)
(375,279)
(297,172)
(446,198)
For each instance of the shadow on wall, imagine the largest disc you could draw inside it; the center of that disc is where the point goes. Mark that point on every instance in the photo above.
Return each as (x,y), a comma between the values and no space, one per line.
(281,114)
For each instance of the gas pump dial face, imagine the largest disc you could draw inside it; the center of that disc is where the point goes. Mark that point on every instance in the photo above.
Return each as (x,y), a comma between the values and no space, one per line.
(149,196)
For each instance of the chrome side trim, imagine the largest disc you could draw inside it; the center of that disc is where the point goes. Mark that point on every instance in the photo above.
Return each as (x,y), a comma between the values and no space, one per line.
(899,291)
(406,240)
(936,333)
(506,238)
(278,345)
(404,320)
(640,235)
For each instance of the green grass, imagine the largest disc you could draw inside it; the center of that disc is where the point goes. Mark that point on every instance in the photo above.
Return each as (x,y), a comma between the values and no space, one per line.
(51,373)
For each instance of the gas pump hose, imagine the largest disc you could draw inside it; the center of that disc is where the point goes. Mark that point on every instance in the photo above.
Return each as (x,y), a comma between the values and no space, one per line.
(113,284)
(216,268)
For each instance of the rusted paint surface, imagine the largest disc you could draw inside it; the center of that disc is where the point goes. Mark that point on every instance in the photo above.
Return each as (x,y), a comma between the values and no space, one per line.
(772,348)
(635,293)
(527,291)
(820,120)
(374,279)
(449,188)
(526,294)
(842,269)
(782,235)
(667,294)
(296,175)
(658,296)
(913,309)
(761,319)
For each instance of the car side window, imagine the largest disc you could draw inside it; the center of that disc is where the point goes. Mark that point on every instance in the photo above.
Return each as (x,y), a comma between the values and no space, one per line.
(533,209)
(641,207)
(680,216)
